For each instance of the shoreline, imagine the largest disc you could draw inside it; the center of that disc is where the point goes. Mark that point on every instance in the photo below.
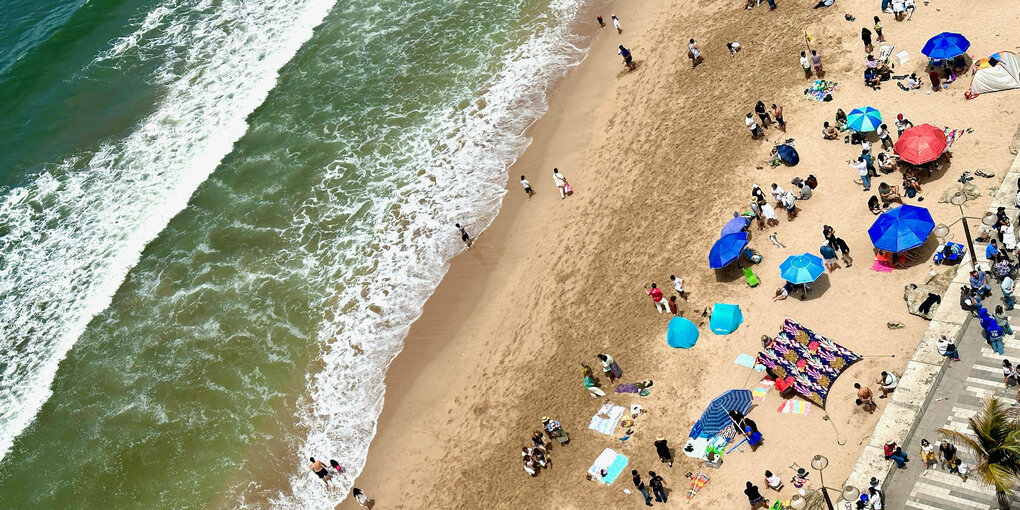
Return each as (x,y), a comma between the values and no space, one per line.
(442,405)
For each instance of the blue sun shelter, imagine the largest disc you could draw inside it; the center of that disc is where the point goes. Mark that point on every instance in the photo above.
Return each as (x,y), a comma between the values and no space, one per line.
(725,319)
(682,333)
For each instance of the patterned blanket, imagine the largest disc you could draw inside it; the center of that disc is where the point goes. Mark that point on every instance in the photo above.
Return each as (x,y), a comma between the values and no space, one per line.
(812,360)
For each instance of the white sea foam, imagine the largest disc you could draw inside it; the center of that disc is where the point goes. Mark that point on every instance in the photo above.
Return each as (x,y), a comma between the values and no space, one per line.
(68,238)
(460,159)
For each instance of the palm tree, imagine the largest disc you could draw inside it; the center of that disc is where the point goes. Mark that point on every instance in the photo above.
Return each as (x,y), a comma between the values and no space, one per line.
(996,445)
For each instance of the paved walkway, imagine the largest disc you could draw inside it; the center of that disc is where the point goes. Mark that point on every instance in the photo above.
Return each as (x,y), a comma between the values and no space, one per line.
(959,396)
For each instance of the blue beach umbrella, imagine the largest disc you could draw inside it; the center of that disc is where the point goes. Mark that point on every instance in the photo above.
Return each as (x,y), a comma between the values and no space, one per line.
(864,119)
(682,333)
(727,249)
(902,228)
(725,319)
(716,416)
(803,268)
(735,225)
(788,154)
(946,45)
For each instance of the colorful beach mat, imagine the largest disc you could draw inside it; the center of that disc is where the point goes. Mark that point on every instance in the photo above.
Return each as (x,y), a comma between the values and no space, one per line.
(794,407)
(696,485)
(820,89)
(758,394)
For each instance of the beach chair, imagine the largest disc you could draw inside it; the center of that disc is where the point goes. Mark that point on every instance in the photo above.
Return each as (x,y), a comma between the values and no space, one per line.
(696,485)
(750,277)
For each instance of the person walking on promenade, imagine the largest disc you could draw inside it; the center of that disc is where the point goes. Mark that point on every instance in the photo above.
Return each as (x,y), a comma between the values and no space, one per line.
(1002,320)
(1009,372)
(887,383)
(865,398)
(947,455)
(1007,287)
(662,449)
(754,497)
(694,53)
(927,454)
(641,487)
(320,470)
(993,334)
(609,367)
(656,294)
(616,24)
(655,482)
(527,187)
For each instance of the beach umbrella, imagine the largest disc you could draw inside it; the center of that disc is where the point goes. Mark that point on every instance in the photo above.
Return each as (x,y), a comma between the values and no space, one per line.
(681,333)
(803,268)
(864,119)
(788,154)
(946,45)
(735,225)
(921,144)
(902,228)
(725,319)
(716,416)
(727,249)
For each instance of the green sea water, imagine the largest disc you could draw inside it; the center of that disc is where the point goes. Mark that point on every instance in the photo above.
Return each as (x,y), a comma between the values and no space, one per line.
(217,225)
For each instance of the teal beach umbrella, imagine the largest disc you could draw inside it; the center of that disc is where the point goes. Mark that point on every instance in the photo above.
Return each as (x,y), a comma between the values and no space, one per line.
(864,119)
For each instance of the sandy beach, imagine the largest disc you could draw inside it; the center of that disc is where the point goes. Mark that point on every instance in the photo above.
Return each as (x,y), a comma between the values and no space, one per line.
(659,159)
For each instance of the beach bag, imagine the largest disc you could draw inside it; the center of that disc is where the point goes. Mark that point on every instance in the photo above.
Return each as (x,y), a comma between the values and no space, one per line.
(568,189)
(910,192)
(811,181)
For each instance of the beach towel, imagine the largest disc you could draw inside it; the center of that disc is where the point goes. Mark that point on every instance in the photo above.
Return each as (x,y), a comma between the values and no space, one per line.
(699,481)
(882,266)
(794,407)
(758,394)
(606,419)
(610,462)
(747,361)
(952,135)
(820,89)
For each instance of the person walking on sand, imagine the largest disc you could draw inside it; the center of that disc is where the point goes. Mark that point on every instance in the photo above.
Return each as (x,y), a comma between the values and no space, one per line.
(865,398)
(616,24)
(589,382)
(678,284)
(662,449)
(840,245)
(829,257)
(561,183)
(759,110)
(361,498)
(754,497)
(628,59)
(673,307)
(655,482)
(883,135)
(656,294)
(805,63)
(320,470)
(527,187)
(816,62)
(610,368)
(641,487)
(602,23)
(694,53)
(777,113)
(878,30)
(754,438)
(464,235)
(753,126)
(866,37)
(862,169)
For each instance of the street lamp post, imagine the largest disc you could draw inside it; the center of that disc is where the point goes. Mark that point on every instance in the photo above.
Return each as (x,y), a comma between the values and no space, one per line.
(819,463)
(942,230)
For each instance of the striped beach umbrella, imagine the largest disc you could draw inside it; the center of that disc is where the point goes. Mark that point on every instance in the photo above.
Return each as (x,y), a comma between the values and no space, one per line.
(864,119)
(716,416)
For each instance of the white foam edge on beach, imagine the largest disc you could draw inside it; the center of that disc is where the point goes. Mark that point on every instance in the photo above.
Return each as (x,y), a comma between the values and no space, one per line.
(370,321)
(75,231)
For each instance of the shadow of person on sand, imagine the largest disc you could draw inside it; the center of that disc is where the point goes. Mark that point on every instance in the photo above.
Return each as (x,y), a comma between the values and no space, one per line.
(626,71)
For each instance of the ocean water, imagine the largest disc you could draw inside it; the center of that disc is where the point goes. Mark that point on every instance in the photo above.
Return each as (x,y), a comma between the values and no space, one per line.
(218,220)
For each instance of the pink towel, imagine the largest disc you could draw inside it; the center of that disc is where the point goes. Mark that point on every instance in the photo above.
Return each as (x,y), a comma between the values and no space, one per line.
(881,267)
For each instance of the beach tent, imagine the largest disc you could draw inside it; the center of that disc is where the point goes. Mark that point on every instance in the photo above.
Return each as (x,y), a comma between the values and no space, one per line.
(725,319)
(803,268)
(727,249)
(716,418)
(681,333)
(812,361)
(902,228)
(1003,76)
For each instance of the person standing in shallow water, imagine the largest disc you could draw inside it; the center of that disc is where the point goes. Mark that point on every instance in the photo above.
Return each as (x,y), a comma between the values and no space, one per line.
(464,236)
(320,470)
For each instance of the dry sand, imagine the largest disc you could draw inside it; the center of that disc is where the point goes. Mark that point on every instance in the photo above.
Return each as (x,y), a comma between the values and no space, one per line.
(659,159)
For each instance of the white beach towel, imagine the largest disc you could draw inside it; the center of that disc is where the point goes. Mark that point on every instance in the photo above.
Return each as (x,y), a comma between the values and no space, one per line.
(610,461)
(606,419)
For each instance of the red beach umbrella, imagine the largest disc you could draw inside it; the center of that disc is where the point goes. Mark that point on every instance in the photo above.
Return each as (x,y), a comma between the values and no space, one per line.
(921,144)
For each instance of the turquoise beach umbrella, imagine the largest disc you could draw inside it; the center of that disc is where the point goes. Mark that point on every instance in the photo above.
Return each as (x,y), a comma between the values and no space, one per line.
(725,319)
(803,268)
(864,119)
(682,333)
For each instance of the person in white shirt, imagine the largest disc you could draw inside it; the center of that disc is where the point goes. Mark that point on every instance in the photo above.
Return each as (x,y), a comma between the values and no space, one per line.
(527,187)
(753,126)
(561,182)
(694,53)
(947,348)
(909,6)
(887,383)
(805,62)
(678,284)
(913,82)
(616,24)
(883,135)
(862,168)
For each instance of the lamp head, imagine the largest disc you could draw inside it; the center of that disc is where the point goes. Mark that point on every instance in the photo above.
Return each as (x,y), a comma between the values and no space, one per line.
(989,219)
(940,231)
(850,493)
(958,198)
(819,462)
(797,502)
